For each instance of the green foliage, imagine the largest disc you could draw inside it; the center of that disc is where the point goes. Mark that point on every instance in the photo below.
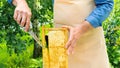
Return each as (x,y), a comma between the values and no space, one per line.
(23,60)
(10,30)
(42,11)
(3,55)
(15,43)
(112,35)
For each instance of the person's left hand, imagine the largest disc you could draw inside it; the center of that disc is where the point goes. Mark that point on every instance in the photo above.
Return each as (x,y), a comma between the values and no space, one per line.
(74,35)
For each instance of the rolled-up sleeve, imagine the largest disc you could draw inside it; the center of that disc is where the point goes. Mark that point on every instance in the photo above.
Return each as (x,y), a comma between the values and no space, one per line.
(9,1)
(100,13)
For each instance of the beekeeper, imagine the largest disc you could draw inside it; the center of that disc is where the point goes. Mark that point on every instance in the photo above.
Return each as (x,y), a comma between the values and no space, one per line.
(83,18)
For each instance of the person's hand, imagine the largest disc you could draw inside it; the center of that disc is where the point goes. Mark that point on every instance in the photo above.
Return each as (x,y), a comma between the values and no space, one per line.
(75,33)
(22,13)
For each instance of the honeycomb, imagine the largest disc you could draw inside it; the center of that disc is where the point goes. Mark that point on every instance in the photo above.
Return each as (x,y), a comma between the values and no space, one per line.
(55,55)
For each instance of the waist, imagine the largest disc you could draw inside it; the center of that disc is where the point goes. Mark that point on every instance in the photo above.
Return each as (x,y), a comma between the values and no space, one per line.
(72,12)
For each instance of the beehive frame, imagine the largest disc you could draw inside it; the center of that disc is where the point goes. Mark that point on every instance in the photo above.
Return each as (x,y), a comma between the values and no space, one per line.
(55,56)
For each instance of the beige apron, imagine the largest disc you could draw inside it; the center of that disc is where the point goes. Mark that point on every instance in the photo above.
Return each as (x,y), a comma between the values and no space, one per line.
(90,51)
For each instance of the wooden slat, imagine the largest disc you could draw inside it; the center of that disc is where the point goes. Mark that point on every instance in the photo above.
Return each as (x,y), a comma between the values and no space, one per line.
(45,50)
(56,29)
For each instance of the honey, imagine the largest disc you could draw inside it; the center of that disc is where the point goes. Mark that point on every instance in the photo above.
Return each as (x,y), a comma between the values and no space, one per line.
(54,51)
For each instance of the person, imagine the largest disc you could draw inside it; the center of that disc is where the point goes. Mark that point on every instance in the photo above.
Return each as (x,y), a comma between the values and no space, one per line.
(83,18)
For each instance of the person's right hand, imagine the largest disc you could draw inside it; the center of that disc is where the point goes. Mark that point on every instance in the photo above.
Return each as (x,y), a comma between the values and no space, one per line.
(22,13)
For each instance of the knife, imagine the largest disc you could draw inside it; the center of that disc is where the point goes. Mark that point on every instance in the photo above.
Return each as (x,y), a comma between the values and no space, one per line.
(30,31)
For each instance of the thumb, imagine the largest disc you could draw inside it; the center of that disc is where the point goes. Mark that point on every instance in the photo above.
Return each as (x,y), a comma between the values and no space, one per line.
(67,27)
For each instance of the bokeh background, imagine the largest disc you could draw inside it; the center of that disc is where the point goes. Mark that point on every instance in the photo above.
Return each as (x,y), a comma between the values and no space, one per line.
(19,50)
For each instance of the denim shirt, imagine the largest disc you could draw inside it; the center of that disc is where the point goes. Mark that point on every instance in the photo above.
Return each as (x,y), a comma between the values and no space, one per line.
(99,14)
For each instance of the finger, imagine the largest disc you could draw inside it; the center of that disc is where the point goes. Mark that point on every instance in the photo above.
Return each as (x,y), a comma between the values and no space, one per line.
(23,21)
(70,37)
(68,43)
(68,27)
(71,47)
(27,26)
(15,14)
(19,18)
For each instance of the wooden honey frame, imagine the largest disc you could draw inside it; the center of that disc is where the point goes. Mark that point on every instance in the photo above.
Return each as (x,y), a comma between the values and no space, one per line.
(54,56)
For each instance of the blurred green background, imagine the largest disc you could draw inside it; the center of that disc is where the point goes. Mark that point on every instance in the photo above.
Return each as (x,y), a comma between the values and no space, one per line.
(19,50)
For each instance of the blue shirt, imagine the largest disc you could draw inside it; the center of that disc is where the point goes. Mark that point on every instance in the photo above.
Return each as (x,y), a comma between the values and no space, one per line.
(10,1)
(99,14)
